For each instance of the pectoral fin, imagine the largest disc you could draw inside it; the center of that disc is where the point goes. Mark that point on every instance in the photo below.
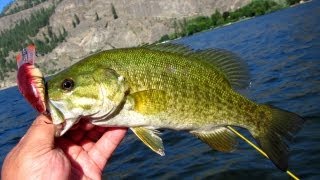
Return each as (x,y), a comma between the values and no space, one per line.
(221,139)
(150,138)
(149,101)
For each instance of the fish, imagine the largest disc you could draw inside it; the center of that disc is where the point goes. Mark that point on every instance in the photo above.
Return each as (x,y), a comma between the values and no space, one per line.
(30,80)
(170,86)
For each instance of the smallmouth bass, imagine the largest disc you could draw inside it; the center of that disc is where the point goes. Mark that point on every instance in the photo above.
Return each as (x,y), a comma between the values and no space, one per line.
(169,86)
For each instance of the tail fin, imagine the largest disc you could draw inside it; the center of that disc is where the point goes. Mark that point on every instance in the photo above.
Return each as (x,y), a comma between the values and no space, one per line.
(283,126)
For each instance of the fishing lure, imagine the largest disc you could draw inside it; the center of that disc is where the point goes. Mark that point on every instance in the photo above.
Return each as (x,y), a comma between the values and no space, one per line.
(30,79)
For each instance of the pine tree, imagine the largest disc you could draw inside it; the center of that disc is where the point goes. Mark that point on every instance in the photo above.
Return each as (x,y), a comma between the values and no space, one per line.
(97,17)
(77,20)
(114,13)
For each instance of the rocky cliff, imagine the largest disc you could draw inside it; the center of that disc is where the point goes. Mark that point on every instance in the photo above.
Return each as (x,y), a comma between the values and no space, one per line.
(8,21)
(95,25)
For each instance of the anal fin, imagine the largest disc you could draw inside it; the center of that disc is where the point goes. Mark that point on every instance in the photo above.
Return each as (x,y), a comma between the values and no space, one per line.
(220,139)
(150,138)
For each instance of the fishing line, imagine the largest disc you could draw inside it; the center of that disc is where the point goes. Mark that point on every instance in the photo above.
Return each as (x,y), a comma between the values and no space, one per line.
(259,150)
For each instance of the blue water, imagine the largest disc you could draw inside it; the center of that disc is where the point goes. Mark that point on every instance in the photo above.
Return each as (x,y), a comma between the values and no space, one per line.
(282,50)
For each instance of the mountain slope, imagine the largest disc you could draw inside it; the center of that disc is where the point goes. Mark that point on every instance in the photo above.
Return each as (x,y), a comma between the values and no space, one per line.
(95,25)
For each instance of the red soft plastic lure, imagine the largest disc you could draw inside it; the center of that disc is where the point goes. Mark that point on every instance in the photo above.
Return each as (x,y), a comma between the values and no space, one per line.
(30,79)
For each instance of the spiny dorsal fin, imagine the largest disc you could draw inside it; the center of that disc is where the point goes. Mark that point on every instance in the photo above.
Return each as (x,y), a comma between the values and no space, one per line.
(231,65)
(221,139)
(150,138)
(169,47)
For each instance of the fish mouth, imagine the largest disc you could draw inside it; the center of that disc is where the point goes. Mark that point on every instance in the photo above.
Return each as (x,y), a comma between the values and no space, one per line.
(62,128)
(63,121)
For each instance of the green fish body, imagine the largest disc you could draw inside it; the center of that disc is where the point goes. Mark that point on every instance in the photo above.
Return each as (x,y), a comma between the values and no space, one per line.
(169,86)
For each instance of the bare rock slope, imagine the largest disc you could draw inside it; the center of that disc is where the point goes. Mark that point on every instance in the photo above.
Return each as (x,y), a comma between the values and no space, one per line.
(137,22)
(106,24)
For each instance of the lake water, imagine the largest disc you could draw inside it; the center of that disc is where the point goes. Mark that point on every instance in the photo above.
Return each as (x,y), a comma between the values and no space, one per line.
(282,50)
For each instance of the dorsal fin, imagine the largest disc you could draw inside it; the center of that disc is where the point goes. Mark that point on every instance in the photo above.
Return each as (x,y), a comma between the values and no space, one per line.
(231,65)
(169,47)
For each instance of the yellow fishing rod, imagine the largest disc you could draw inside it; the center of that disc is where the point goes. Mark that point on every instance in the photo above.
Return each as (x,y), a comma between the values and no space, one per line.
(259,150)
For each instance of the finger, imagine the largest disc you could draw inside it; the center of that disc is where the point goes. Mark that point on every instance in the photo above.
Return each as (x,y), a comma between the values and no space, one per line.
(86,139)
(71,150)
(79,159)
(92,137)
(40,134)
(87,144)
(92,133)
(102,150)
(96,133)
(85,124)
(101,129)
(75,135)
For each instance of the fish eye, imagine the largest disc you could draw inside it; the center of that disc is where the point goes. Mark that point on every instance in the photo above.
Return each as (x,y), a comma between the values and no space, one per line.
(67,84)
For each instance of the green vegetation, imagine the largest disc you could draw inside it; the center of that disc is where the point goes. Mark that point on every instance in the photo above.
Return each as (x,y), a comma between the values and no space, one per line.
(97,17)
(23,33)
(255,8)
(51,40)
(28,4)
(292,2)
(76,21)
(114,13)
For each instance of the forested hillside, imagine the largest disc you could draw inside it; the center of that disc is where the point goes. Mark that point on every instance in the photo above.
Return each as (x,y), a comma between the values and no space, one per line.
(65,31)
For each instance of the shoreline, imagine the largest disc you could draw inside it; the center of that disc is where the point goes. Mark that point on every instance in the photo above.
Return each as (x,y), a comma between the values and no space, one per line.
(254,9)
(9,84)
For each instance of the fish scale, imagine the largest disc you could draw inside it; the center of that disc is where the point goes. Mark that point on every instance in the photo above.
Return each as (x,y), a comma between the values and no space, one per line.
(170,86)
(176,84)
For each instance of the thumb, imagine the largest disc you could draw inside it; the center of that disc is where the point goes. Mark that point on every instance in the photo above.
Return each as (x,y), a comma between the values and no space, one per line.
(40,134)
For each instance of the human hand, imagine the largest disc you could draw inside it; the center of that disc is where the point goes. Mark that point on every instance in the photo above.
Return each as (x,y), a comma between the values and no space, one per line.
(81,154)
